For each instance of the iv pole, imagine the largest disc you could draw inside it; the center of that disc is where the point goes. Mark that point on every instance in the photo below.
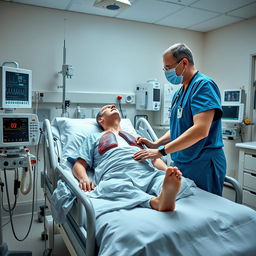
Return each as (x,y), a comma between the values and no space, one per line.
(67,72)
(64,106)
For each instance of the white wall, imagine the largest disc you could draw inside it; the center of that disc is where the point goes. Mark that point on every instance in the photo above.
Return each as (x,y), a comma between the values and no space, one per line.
(227,60)
(108,54)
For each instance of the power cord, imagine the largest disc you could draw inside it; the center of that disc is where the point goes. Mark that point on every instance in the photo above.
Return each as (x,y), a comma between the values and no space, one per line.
(11,213)
(16,187)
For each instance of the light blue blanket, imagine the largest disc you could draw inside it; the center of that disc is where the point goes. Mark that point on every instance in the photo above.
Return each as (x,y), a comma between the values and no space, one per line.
(121,182)
(202,224)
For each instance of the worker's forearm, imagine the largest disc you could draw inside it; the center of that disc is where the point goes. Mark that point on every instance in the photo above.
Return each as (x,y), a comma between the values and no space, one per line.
(164,139)
(185,140)
(159,164)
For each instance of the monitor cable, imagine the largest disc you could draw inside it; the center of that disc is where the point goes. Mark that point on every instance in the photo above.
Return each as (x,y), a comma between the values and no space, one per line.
(11,213)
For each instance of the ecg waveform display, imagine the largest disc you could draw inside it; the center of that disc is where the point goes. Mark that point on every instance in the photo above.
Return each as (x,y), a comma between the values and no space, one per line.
(17,86)
(15,130)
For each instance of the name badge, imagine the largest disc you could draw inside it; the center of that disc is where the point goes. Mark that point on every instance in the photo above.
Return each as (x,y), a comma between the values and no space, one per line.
(179,112)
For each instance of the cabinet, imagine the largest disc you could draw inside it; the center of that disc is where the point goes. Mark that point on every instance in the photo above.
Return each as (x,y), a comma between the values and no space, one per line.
(247,172)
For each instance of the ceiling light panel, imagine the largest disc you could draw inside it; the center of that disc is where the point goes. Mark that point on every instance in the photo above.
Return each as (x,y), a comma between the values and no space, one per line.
(87,7)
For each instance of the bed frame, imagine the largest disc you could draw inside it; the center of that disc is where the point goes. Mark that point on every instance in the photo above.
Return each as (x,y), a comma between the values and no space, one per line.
(79,232)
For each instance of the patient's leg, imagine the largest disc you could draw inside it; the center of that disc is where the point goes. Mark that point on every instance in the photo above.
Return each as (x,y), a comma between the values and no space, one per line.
(171,185)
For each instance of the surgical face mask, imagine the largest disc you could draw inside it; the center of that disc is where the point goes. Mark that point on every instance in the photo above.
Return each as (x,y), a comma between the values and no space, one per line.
(172,77)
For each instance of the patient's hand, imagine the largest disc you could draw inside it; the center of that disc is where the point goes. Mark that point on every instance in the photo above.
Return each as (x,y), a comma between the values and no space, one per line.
(146,142)
(146,154)
(86,184)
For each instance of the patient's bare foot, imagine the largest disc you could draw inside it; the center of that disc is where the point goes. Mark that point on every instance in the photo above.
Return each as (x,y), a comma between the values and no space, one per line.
(171,185)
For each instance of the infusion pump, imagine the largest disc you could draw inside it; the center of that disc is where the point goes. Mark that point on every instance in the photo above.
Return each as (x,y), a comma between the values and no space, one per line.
(148,96)
(18,130)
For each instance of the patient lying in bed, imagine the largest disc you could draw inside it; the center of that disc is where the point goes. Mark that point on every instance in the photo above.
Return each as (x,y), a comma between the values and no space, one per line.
(119,178)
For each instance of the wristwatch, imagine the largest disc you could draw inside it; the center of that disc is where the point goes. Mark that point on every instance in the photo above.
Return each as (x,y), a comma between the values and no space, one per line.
(161,149)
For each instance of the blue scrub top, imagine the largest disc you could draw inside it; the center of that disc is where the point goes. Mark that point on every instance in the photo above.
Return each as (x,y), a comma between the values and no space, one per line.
(201,95)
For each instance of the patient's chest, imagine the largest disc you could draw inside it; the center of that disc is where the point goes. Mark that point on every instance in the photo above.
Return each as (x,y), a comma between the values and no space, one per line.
(111,140)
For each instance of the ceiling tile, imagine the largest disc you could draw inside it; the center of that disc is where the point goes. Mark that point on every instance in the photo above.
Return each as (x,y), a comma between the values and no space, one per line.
(149,11)
(46,3)
(214,23)
(221,6)
(248,11)
(192,16)
(180,2)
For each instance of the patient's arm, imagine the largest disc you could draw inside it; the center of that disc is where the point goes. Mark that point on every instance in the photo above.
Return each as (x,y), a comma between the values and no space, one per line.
(159,164)
(79,171)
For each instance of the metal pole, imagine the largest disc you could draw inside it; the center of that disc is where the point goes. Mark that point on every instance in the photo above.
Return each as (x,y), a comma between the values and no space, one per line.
(64,82)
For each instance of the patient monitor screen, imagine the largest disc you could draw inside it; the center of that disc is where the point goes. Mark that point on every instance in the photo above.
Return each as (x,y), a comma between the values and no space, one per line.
(15,130)
(230,112)
(156,95)
(17,86)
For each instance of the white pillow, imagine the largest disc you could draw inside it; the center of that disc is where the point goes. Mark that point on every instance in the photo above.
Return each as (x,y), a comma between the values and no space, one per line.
(72,132)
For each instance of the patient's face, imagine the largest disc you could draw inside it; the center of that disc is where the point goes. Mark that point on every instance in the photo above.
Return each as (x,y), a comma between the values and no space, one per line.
(110,111)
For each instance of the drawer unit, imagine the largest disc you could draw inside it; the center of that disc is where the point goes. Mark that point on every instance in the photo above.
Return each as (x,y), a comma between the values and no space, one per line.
(249,198)
(250,162)
(247,172)
(250,180)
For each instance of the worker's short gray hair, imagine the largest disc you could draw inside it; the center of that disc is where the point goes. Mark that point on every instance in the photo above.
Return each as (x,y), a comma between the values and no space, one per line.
(180,51)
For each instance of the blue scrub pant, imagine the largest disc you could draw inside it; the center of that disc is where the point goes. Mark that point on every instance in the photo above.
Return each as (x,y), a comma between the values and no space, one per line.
(208,170)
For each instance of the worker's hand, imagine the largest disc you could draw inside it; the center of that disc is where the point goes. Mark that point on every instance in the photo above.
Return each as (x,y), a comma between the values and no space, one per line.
(86,184)
(146,142)
(147,153)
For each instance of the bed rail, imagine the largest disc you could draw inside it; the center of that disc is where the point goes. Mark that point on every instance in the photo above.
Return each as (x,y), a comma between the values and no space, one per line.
(91,226)
(54,172)
(143,127)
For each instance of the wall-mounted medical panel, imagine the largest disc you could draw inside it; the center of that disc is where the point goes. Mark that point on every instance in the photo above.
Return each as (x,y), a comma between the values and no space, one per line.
(83,97)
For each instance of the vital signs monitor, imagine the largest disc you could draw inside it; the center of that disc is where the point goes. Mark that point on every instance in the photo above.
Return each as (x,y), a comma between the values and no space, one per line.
(233,112)
(18,130)
(15,87)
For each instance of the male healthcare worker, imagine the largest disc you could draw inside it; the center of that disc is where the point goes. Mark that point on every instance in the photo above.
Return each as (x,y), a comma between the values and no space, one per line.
(195,137)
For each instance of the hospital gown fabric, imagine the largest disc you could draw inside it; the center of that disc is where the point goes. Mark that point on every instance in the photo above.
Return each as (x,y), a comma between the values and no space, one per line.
(121,182)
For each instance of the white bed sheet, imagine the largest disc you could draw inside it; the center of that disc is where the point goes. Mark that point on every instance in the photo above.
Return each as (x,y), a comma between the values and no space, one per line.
(202,224)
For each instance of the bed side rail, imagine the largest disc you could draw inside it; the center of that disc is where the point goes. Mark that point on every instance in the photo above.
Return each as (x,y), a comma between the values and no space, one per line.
(237,187)
(49,143)
(143,127)
(91,226)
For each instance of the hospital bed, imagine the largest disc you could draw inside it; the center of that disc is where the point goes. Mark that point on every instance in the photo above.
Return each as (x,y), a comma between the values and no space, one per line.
(202,223)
